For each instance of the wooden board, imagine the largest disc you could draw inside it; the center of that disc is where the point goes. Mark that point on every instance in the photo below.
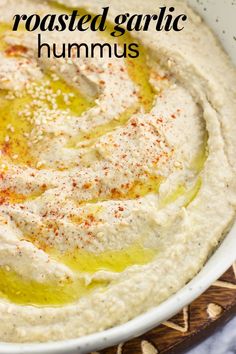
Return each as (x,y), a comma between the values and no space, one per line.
(194,323)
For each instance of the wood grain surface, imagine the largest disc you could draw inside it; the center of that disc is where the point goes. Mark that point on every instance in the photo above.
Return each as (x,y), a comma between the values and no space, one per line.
(194,323)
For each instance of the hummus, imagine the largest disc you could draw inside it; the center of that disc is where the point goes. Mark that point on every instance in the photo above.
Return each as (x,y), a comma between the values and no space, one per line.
(117,175)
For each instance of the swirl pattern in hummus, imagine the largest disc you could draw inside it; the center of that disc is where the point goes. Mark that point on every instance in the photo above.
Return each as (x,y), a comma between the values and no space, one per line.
(117,176)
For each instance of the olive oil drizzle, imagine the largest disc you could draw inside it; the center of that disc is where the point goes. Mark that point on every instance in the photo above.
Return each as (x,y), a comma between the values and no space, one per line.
(22,291)
(15,128)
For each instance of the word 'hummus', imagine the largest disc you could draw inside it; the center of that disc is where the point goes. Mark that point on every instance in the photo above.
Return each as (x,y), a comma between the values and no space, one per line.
(117,175)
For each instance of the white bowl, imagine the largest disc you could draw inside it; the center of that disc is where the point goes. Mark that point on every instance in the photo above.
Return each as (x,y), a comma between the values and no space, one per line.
(220,15)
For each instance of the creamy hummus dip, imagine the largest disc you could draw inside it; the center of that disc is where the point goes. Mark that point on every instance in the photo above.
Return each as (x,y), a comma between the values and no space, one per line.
(117,175)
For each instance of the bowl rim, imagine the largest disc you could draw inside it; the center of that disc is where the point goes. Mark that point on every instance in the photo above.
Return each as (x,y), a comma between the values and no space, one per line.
(218,263)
